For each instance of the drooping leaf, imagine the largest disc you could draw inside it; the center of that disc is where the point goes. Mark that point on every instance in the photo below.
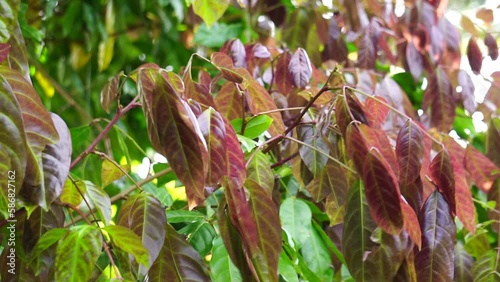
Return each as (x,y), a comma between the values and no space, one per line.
(98,199)
(128,241)
(411,224)
(235,49)
(18,54)
(77,253)
(474,55)
(492,45)
(209,10)
(356,147)
(296,219)
(282,77)
(12,144)
(382,193)
(48,239)
(259,171)
(144,215)
(265,214)
(234,156)
(300,68)
(494,195)
(228,101)
(259,100)
(486,267)
(312,158)
(223,269)
(174,131)
(463,264)
(434,262)
(463,197)
(438,101)
(177,260)
(443,176)
(110,92)
(482,171)
(213,129)
(409,151)
(225,64)
(366,53)
(286,268)
(377,138)
(331,180)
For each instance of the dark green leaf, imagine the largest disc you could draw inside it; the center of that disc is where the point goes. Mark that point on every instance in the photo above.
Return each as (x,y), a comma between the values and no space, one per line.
(176,216)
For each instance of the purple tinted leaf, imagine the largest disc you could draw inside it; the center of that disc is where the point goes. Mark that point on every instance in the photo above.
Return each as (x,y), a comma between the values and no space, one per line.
(260,172)
(4,51)
(382,193)
(493,141)
(300,68)
(438,101)
(443,176)
(434,262)
(282,77)
(409,152)
(260,51)
(474,55)
(314,160)
(481,169)
(467,94)
(366,53)
(451,34)
(414,60)
(229,101)
(492,45)
(110,92)
(237,52)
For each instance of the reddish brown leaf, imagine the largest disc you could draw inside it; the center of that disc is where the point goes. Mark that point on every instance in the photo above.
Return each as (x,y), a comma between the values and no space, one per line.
(282,77)
(213,129)
(463,197)
(259,100)
(377,110)
(4,51)
(382,193)
(481,169)
(331,180)
(485,14)
(229,101)
(411,224)
(409,152)
(347,109)
(225,64)
(434,262)
(356,147)
(110,92)
(366,53)
(494,195)
(265,214)
(413,193)
(234,156)
(196,91)
(442,175)
(377,138)
(174,132)
(474,55)
(492,45)
(493,141)
(438,101)
(300,68)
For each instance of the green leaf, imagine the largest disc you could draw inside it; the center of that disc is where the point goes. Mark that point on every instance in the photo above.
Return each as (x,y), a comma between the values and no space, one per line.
(126,240)
(217,35)
(259,170)
(176,216)
(177,260)
(254,126)
(486,267)
(296,218)
(200,234)
(316,256)
(222,268)
(99,199)
(286,268)
(72,192)
(8,19)
(78,253)
(110,172)
(80,138)
(144,215)
(210,10)
(48,239)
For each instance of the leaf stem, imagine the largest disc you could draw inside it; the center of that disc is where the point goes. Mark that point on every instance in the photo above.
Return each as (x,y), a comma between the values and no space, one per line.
(119,113)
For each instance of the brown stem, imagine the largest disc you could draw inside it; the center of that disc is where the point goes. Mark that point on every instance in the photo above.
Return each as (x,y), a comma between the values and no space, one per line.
(283,161)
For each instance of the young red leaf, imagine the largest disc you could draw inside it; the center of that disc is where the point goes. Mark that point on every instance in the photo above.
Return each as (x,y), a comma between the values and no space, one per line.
(481,169)
(225,65)
(265,215)
(366,53)
(300,68)
(174,132)
(411,224)
(356,147)
(486,15)
(474,55)
(229,101)
(4,51)
(376,109)
(382,193)
(463,197)
(110,92)
(438,101)
(259,100)
(442,175)
(492,45)
(494,195)
(213,129)
(434,262)
(409,152)
(282,77)
(377,138)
